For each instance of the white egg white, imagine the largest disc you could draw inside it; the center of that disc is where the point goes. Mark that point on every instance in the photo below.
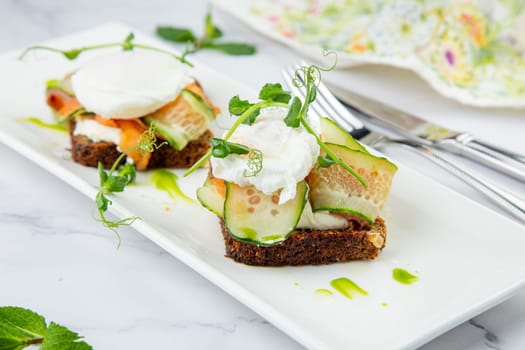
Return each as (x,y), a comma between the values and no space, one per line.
(288,155)
(129,84)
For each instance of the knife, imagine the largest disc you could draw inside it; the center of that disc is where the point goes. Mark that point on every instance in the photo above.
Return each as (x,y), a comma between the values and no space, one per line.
(430,134)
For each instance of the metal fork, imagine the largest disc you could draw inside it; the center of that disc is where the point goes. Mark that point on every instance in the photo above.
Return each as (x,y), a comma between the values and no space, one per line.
(327,105)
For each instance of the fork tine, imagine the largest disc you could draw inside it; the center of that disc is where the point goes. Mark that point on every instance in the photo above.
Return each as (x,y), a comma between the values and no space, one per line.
(329,102)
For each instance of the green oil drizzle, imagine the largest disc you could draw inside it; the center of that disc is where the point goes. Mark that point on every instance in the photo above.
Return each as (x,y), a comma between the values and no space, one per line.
(347,287)
(43,124)
(324,292)
(403,276)
(384,304)
(166,181)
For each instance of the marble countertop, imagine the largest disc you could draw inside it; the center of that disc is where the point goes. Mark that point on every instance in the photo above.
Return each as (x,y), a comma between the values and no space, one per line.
(54,258)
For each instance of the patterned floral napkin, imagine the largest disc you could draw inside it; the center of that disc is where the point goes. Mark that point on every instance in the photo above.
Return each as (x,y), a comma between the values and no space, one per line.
(473,51)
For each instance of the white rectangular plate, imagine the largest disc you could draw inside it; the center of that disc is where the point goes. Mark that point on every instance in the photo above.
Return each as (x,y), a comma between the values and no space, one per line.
(467,257)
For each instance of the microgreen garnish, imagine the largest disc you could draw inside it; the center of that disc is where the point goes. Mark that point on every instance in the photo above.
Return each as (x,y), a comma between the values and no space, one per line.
(126,175)
(221,149)
(292,118)
(325,162)
(274,92)
(254,164)
(273,95)
(21,328)
(209,40)
(249,112)
(126,45)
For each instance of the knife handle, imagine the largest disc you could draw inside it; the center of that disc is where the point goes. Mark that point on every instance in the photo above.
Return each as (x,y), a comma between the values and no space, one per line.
(497,158)
(505,200)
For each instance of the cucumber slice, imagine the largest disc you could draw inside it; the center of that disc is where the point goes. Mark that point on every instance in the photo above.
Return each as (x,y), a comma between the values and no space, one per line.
(63,85)
(336,190)
(182,120)
(333,133)
(210,196)
(253,217)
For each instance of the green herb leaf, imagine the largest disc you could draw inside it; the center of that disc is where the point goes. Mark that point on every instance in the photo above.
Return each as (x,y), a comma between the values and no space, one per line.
(72,54)
(251,118)
(128,170)
(325,162)
(179,35)
(207,41)
(236,106)
(274,92)
(210,30)
(103,176)
(20,327)
(293,118)
(60,338)
(313,93)
(127,45)
(51,83)
(102,201)
(116,183)
(230,48)
(221,148)
(126,174)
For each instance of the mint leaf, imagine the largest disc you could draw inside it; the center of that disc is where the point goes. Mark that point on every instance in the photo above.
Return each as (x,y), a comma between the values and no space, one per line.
(12,343)
(293,118)
(19,326)
(230,48)
(210,30)
(274,92)
(25,322)
(178,35)
(236,106)
(60,338)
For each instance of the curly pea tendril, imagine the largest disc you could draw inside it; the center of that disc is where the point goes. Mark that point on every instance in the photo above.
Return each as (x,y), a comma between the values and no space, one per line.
(312,73)
(110,183)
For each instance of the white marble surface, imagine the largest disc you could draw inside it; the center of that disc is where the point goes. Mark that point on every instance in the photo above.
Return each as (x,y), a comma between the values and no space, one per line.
(56,259)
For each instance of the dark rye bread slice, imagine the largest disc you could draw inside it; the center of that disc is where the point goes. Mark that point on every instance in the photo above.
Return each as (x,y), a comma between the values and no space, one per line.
(312,247)
(89,153)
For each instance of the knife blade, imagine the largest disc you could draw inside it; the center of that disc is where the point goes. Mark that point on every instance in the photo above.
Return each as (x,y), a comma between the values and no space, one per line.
(430,134)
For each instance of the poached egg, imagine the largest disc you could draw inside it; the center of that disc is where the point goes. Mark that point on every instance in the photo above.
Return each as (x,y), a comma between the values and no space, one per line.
(288,155)
(129,84)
